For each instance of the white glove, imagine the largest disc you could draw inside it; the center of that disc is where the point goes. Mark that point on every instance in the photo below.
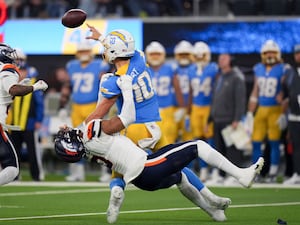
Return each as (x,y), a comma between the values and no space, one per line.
(125,83)
(25,81)
(155,132)
(249,122)
(40,85)
(282,122)
(179,114)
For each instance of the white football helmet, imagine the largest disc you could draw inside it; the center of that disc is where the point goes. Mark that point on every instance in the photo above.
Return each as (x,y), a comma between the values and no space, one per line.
(84,52)
(155,53)
(21,58)
(270,53)
(183,52)
(118,44)
(202,53)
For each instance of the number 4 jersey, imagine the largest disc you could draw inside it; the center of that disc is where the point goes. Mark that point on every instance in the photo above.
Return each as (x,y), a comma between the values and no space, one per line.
(146,104)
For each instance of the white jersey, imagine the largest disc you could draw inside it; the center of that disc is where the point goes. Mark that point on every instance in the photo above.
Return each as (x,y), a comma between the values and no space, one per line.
(8,77)
(125,156)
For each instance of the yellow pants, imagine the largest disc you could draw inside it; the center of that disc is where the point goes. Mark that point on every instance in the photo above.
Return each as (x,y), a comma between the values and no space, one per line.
(80,112)
(265,123)
(199,117)
(168,126)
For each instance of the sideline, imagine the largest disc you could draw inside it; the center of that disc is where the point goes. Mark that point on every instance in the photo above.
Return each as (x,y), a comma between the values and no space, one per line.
(142,211)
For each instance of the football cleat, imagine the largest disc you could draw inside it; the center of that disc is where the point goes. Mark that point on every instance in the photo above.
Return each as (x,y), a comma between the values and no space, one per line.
(250,173)
(115,203)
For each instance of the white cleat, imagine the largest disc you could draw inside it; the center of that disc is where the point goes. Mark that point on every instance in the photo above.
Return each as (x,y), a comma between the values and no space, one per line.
(217,215)
(250,173)
(221,203)
(115,203)
(295,179)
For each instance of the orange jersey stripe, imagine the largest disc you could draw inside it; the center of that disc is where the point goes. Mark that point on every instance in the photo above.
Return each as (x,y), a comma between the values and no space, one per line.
(3,134)
(10,66)
(153,163)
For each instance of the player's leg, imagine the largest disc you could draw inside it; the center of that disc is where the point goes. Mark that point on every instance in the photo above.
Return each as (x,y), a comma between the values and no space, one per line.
(274,134)
(8,159)
(259,132)
(244,175)
(214,200)
(195,196)
(117,195)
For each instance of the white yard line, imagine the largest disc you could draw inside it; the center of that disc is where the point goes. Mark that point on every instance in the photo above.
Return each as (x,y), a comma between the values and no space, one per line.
(142,211)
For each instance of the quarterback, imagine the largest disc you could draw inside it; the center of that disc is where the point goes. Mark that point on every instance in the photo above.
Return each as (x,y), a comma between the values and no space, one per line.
(148,172)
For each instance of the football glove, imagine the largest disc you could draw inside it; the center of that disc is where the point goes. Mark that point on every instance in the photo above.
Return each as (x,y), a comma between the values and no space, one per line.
(282,122)
(249,123)
(179,114)
(40,85)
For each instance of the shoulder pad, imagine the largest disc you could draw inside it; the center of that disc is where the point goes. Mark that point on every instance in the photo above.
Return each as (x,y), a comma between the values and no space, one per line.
(9,67)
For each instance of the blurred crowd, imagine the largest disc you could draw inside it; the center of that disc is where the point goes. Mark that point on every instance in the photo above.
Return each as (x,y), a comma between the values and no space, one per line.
(151,8)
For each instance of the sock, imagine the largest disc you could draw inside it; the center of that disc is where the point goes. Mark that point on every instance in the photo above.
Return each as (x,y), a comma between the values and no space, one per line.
(117,182)
(8,174)
(275,152)
(216,159)
(202,163)
(191,192)
(193,179)
(256,152)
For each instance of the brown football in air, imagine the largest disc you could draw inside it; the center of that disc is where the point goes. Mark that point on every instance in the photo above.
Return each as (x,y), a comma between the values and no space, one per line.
(73,18)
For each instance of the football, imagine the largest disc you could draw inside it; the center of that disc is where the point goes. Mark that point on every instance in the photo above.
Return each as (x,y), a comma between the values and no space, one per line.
(73,18)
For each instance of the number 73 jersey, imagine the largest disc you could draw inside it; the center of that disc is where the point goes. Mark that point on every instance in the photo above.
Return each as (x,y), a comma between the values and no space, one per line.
(269,82)
(145,99)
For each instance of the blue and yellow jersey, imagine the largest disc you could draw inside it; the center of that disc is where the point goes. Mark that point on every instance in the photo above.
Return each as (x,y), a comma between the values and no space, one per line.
(183,73)
(145,98)
(269,83)
(202,83)
(163,84)
(85,81)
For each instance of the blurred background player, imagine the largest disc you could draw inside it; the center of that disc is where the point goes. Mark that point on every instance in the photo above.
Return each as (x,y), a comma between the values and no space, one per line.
(9,88)
(264,103)
(167,88)
(227,109)
(84,73)
(27,112)
(202,80)
(145,132)
(291,88)
(183,53)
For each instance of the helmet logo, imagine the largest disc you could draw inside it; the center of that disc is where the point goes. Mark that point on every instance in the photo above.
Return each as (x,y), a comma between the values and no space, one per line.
(119,35)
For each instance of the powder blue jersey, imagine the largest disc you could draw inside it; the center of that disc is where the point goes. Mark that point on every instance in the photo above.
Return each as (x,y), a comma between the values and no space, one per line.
(163,84)
(269,83)
(145,98)
(202,83)
(85,81)
(184,73)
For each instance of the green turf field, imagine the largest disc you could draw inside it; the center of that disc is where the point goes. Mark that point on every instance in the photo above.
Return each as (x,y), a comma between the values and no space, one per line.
(65,205)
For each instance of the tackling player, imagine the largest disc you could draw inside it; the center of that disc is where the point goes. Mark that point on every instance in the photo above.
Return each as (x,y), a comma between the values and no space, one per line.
(267,120)
(9,88)
(148,172)
(202,80)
